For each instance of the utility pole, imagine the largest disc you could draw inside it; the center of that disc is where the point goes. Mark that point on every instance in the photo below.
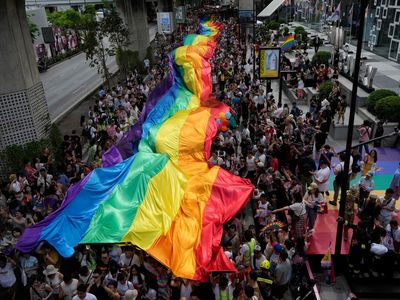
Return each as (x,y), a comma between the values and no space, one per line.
(345,182)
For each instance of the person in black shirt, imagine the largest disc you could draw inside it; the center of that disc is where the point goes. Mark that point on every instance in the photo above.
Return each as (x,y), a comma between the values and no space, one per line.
(306,168)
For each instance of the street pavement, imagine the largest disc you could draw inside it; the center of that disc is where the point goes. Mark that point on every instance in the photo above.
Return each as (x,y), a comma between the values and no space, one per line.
(66,84)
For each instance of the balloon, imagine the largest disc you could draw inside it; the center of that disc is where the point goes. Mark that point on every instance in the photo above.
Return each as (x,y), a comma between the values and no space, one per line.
(222,115)
(224,128)
(228,115)
(219,121)
(225,122)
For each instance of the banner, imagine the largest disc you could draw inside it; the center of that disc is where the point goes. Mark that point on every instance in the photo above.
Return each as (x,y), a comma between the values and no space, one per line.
(269,63)
(180,14)
(165,22)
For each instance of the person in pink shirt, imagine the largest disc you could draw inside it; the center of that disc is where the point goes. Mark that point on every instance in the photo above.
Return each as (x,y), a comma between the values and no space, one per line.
(365,133)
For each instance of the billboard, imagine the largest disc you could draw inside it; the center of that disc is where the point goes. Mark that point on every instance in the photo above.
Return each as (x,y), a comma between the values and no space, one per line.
(165,22)
(270,63)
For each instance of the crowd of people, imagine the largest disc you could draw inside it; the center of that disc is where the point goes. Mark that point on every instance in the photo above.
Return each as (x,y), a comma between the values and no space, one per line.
(283,152)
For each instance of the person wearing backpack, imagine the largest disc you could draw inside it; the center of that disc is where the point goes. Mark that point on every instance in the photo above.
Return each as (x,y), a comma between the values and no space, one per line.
(338,170)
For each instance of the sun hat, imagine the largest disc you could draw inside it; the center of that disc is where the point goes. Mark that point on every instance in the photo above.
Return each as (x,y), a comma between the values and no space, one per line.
(50,270)
(312,186)
(131,294)
(257,248)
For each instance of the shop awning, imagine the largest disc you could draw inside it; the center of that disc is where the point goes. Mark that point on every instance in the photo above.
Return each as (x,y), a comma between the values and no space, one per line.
(271,8)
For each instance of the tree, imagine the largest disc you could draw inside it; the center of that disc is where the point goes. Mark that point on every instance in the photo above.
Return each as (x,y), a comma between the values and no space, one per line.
(34,30)
(102,39)
(387,109)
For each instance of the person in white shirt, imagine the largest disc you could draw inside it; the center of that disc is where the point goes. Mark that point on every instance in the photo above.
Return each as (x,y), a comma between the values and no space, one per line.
(366,185)
(321,177)
(82,294)
(257,258)
(68,287)
(312,200)
(44,181)
(339,176)
(129,258)
(388,207)
(7,278)
(215,159)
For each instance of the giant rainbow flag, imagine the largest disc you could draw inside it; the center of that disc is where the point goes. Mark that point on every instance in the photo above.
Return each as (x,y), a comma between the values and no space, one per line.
(156,189)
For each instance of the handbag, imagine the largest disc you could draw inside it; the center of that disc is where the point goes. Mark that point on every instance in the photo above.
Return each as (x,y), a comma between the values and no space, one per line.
(24,278)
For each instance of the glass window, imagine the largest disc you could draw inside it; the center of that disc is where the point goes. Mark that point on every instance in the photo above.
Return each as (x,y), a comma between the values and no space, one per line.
(396,32)
(394,47)
(378,24)
(377,12)
(391,30)
(384,14)
(397,16)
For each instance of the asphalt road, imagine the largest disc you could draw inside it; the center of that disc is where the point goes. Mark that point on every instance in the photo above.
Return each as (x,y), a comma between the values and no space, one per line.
(69,82)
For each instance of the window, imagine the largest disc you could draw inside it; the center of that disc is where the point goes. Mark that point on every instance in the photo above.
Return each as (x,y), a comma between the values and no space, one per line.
(394,47)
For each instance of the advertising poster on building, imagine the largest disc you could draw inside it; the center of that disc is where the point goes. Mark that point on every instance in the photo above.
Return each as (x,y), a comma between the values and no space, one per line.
(269,63)
(180,14)
(165,22)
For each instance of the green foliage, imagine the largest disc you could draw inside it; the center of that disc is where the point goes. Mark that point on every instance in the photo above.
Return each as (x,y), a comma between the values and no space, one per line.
(285,31)
(34,30)
(321,57)
(325,89)
(375,96)
(299,29)
(15,155)
(97,51)
(129,61)
(281,21)
(68,19)
(273,25)
(300,33)
(387,109)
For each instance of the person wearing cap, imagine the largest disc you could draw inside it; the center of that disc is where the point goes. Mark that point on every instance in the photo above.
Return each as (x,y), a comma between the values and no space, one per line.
(265,280)
(257,258)
(312,200)
(366,186)
(54,279)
